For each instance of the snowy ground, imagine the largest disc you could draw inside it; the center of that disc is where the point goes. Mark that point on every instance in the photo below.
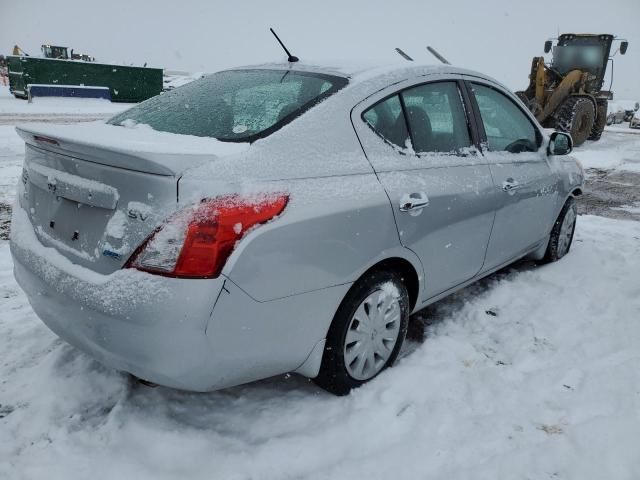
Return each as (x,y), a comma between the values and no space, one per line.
(618,149)
(530,374)
(613,174)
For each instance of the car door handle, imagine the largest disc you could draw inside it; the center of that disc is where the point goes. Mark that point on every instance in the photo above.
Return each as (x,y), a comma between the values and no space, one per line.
(413,201)
(510,184)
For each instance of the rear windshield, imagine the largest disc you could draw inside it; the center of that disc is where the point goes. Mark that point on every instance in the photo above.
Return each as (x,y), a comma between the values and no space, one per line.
(234,105)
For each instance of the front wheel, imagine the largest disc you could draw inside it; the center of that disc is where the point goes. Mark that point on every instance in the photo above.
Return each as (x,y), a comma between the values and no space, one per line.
(562,232)
(366,334)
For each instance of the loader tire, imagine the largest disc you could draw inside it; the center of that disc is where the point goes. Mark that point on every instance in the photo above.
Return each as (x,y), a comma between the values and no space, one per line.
(576,116)
(601,120)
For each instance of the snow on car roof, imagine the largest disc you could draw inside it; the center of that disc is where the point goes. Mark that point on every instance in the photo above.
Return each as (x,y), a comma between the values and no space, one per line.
(358,72)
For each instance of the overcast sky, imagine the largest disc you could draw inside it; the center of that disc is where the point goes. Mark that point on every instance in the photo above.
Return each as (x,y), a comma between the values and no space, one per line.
(497,37)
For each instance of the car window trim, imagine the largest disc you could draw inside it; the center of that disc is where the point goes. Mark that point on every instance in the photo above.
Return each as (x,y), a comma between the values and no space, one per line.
(470,120)
(478,115)
(406,120)
(471,114)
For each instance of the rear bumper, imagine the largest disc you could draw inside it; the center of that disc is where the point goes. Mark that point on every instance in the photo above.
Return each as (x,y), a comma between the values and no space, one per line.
(152,329)
(198,335)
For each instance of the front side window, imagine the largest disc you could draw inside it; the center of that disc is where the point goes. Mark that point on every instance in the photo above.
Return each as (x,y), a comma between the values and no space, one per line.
(436,118)
(235,105)
(506,126)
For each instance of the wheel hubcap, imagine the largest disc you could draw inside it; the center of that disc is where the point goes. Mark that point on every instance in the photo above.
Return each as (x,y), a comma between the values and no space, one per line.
(372,335)
(566,231)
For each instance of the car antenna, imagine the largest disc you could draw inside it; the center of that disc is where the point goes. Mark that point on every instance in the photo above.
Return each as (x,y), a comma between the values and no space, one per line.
(438,56)
(403,55)
(292,58)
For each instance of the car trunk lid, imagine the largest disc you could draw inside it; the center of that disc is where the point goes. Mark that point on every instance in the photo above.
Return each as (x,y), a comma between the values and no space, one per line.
(95,196)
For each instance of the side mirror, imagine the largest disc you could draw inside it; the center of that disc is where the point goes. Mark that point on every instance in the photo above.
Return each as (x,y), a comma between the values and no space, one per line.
(560,143)
(547,46)
(623,47)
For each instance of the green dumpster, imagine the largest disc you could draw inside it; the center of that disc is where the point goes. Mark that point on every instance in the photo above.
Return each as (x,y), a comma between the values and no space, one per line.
(126,84)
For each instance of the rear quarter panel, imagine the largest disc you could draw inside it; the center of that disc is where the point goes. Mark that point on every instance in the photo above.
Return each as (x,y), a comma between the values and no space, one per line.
(331,231)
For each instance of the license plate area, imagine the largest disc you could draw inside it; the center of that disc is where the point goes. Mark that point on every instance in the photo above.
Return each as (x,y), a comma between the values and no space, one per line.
(67,224)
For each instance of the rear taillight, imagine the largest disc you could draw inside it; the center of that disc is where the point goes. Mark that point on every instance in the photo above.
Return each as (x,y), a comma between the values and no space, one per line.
(196,242)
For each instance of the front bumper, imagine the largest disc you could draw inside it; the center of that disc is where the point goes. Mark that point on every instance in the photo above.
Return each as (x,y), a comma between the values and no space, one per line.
(198,335)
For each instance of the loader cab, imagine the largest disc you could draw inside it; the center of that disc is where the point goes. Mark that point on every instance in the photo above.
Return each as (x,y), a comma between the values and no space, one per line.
(589,53)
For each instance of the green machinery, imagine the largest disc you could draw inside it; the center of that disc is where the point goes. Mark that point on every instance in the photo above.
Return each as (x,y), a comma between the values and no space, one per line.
(58,68)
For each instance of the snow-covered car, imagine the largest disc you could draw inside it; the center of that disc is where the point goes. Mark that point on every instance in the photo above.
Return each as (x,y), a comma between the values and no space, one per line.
(635,120)
(283,218)
(630,107)
(616,114)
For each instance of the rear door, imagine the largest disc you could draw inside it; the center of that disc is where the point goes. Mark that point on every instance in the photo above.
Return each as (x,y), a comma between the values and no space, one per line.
(420,141)
(524,180)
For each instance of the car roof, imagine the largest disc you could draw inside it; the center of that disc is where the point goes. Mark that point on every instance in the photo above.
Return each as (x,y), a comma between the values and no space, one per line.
(357,73)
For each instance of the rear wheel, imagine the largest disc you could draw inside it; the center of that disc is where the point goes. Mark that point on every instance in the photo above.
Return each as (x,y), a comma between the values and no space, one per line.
(562,232)
(576,116)
(366,334)
(601,120)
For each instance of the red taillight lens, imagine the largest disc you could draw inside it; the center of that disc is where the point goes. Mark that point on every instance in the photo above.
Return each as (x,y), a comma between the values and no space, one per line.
(196,242)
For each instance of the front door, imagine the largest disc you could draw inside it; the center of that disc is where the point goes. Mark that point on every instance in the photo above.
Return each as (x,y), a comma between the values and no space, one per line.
(524,180)
(419,141)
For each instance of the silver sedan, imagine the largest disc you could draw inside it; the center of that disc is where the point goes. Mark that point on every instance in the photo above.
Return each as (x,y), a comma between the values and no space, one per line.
(283,218)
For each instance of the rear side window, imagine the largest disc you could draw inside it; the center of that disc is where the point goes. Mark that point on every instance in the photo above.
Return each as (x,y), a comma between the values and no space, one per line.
(387,120)
(235,105)
(506,126)
(436,118)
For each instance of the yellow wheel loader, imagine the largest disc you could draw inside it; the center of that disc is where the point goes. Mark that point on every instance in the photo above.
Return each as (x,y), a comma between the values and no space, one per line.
(567,94)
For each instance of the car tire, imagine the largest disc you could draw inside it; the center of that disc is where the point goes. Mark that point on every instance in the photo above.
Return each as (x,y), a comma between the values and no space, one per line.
(360,338)
(562,233)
